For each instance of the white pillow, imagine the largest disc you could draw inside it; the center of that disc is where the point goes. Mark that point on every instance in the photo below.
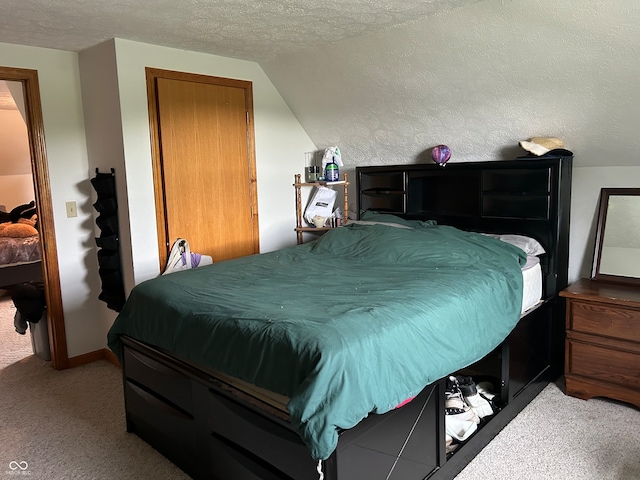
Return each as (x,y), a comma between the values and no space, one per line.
(530,245)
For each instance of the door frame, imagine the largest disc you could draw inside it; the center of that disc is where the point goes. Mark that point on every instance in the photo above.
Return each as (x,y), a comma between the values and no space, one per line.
(152,74)
(44,209)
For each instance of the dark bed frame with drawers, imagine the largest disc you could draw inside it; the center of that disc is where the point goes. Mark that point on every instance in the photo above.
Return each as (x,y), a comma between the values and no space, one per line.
(213,429)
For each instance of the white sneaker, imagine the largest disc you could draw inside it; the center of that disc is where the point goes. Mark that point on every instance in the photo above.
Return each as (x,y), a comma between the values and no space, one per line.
(485,390)
(461,421)
(479,404)
(458,428)
(455,403)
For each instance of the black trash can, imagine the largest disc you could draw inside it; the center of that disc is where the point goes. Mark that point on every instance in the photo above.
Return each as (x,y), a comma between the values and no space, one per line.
(31,309)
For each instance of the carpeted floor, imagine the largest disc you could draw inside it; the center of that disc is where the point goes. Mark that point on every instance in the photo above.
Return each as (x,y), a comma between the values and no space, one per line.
(66,424)
(70,425)
(557,437)
(13,347)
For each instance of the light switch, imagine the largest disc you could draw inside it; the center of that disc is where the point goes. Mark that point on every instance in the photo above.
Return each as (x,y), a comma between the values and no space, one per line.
(72,209)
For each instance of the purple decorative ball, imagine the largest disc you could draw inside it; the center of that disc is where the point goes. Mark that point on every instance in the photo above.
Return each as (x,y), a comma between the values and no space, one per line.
(441,154)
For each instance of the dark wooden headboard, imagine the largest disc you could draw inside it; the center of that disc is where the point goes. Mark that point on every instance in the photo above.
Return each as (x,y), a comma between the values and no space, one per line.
(528,196)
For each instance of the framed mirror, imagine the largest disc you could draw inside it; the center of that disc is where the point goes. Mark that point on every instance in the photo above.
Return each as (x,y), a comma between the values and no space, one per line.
(617,252)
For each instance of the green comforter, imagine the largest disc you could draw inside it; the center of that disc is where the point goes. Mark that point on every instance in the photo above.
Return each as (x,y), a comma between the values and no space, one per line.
(351,324)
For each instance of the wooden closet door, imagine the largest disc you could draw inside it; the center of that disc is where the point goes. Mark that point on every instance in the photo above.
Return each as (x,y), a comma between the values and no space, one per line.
(204,165)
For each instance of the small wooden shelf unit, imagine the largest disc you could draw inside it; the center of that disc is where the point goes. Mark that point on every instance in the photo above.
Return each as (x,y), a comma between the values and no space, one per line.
(300,226)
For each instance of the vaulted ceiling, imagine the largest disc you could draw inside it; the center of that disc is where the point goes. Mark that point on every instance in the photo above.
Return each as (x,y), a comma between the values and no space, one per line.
(386,81)
(255,30)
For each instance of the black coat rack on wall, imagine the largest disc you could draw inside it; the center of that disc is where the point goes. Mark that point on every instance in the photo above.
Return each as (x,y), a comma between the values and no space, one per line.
(110,267)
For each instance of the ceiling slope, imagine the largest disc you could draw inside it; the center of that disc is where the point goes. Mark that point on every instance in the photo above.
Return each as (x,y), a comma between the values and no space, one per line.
(255,30)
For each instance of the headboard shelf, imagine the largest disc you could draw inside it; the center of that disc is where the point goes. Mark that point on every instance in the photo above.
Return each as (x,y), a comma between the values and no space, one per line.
(527,197)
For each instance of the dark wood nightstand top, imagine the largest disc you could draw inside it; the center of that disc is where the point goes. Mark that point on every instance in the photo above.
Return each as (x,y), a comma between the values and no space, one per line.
(596,290)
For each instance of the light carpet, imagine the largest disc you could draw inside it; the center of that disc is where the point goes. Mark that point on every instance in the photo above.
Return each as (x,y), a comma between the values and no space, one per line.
(70,425)
(66,424)
(557,437)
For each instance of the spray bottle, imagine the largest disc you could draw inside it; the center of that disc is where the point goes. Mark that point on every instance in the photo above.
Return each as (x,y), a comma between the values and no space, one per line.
(332,173)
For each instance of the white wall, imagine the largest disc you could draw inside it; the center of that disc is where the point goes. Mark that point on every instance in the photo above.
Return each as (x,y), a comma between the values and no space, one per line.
(14,153)
(68,172)
(585,195)
(280,145)
(479,79)
(16,183)
(16,190)
(117,124)
(101,109)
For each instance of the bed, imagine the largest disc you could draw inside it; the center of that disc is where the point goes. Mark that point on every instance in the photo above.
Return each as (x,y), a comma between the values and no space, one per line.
(328,360)
(20,260)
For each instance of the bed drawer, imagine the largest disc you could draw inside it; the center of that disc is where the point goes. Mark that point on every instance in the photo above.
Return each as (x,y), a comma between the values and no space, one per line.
(230,462)
(238,430)
(159,378)
(398,445)
(169,430)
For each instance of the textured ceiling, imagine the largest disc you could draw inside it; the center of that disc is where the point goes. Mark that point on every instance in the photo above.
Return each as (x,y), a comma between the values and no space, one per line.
(244,29)
(478,79)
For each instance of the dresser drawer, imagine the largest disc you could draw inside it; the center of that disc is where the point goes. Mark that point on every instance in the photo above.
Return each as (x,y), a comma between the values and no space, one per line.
(606,320)
(605,364)
(159,378)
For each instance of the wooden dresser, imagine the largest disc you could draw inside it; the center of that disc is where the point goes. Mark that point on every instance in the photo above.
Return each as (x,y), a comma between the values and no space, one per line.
(602,356)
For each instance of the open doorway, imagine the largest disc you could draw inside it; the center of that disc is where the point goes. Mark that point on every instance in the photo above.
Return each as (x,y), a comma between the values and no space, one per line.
(26,81)
(20,252)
